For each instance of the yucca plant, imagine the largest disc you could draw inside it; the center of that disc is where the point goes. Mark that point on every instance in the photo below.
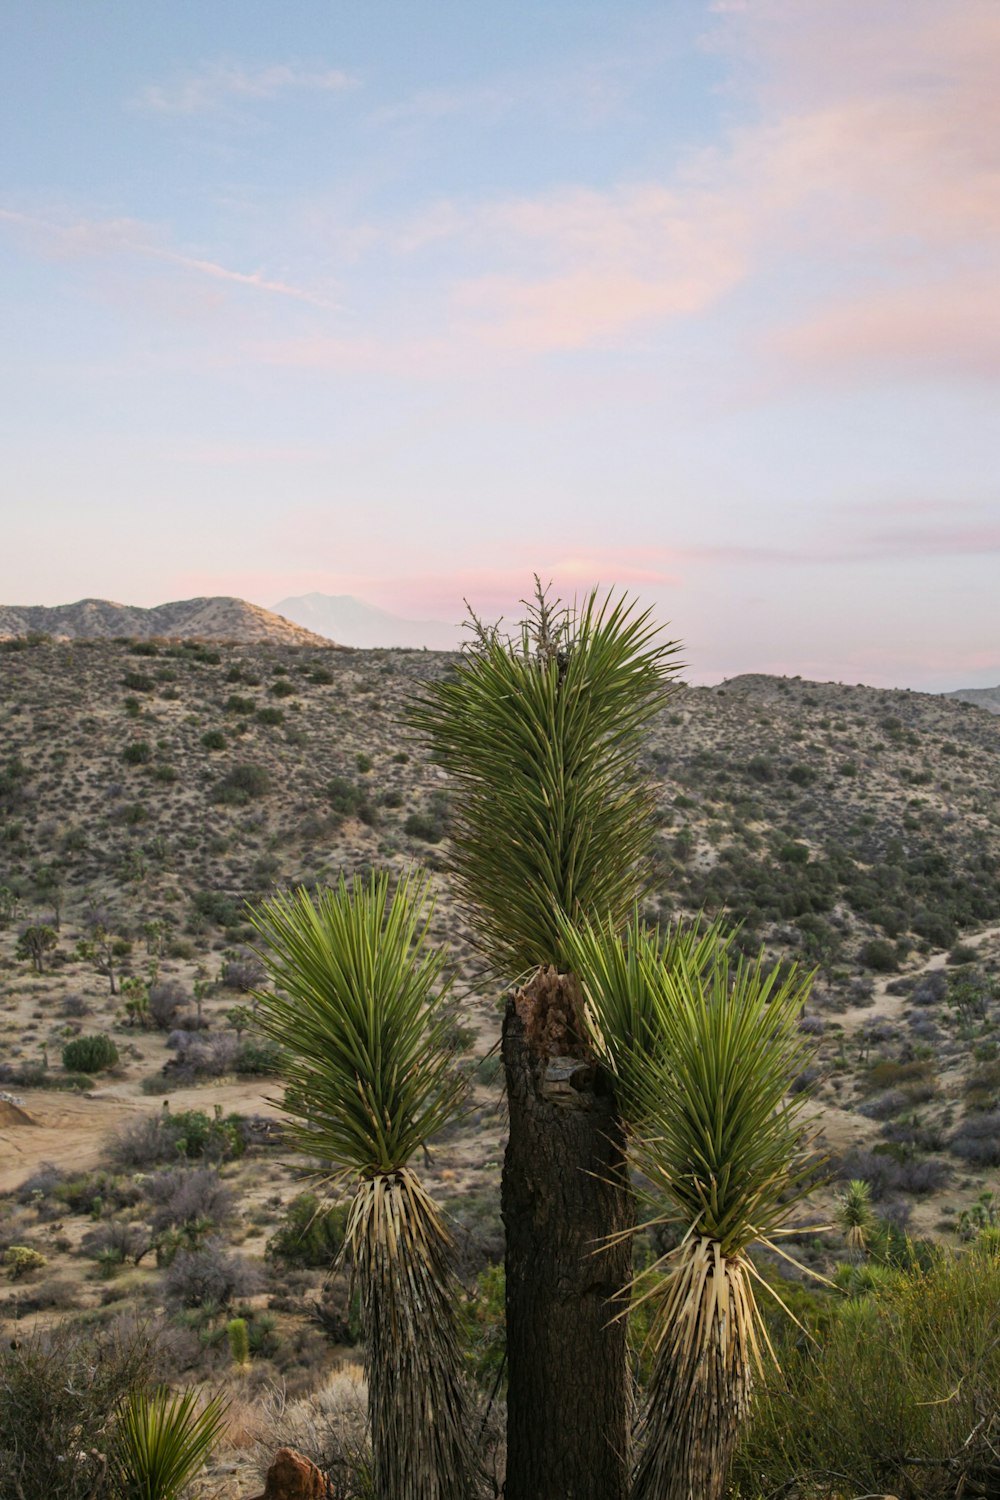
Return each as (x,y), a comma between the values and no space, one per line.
(358,1007)
(723,1144)
(160,1442)
(855,1215)
(540,733)
(620,973)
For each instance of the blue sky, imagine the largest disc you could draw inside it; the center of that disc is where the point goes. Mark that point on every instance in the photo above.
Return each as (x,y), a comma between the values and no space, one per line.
(411,300)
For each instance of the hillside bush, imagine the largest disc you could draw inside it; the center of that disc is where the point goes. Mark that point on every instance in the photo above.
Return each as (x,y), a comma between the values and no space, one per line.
(310,1234)
(242,784)
(169,1136)
(90,1054)
(900,1397)
(138,753)
(209,1277)
(977,1139)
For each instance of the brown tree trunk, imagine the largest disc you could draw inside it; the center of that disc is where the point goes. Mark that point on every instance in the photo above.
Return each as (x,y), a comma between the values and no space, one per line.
(565,1191)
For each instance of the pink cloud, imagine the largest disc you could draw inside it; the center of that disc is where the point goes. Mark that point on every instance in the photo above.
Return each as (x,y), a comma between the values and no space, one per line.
(953,328)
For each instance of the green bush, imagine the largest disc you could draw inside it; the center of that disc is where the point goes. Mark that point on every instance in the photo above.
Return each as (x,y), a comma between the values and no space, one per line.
(214,739)
(138,753)
(281,688)
(90,1054)
(243,784)
(169,1137)
(236,704)
(310,1234)
(270,716)
(900,1397)
(880,956)
(257,1055)
(21,1260)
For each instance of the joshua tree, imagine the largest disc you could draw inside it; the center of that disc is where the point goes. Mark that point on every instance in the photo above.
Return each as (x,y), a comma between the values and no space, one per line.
(358,1010)
(703,1052)
(34,942)
(552,825)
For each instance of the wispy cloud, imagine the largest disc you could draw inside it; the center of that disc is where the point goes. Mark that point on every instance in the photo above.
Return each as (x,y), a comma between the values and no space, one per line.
(104,238)
(220,85)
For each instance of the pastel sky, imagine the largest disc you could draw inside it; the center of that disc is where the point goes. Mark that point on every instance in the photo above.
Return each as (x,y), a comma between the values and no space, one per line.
(409,299)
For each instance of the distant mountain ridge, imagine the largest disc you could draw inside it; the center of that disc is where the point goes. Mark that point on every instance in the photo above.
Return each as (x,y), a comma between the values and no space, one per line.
(351,621)
(220,618)
(988,698)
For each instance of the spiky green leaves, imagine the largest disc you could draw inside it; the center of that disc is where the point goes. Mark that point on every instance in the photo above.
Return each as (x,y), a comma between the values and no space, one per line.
(358,1009)
(161,1441)
(540,738)
(623,994)
(720,1135)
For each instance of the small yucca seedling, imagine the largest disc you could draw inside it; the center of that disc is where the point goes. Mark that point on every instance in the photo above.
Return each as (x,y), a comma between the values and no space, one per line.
(358,1008)
(161,1441)
(238,1335)
(855,1216)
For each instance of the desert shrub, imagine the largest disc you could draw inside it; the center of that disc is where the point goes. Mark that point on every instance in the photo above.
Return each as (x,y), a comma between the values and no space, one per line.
(977,1139)
(209,1277)
(138,753)
(165,999)
(168,1136)
(185,1196)
(236,704)
(59,1390)
(116,1241)
(83,1192)
(214,739)
(901,1396)
(22,1260)
(90,1054)
(243,971)
(217,907)
(879,955)
(322,676)
(761,768)
(310,1234)
(242,784)
(887,1174)
(914,1133)
(271,717)
(931,989)
(138,682)
(258,1056)
(886,1073)
(342,795)
(202,1056)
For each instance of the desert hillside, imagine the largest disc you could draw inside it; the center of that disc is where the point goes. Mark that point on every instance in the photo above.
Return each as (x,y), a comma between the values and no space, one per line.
(214,619)
(149,789)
